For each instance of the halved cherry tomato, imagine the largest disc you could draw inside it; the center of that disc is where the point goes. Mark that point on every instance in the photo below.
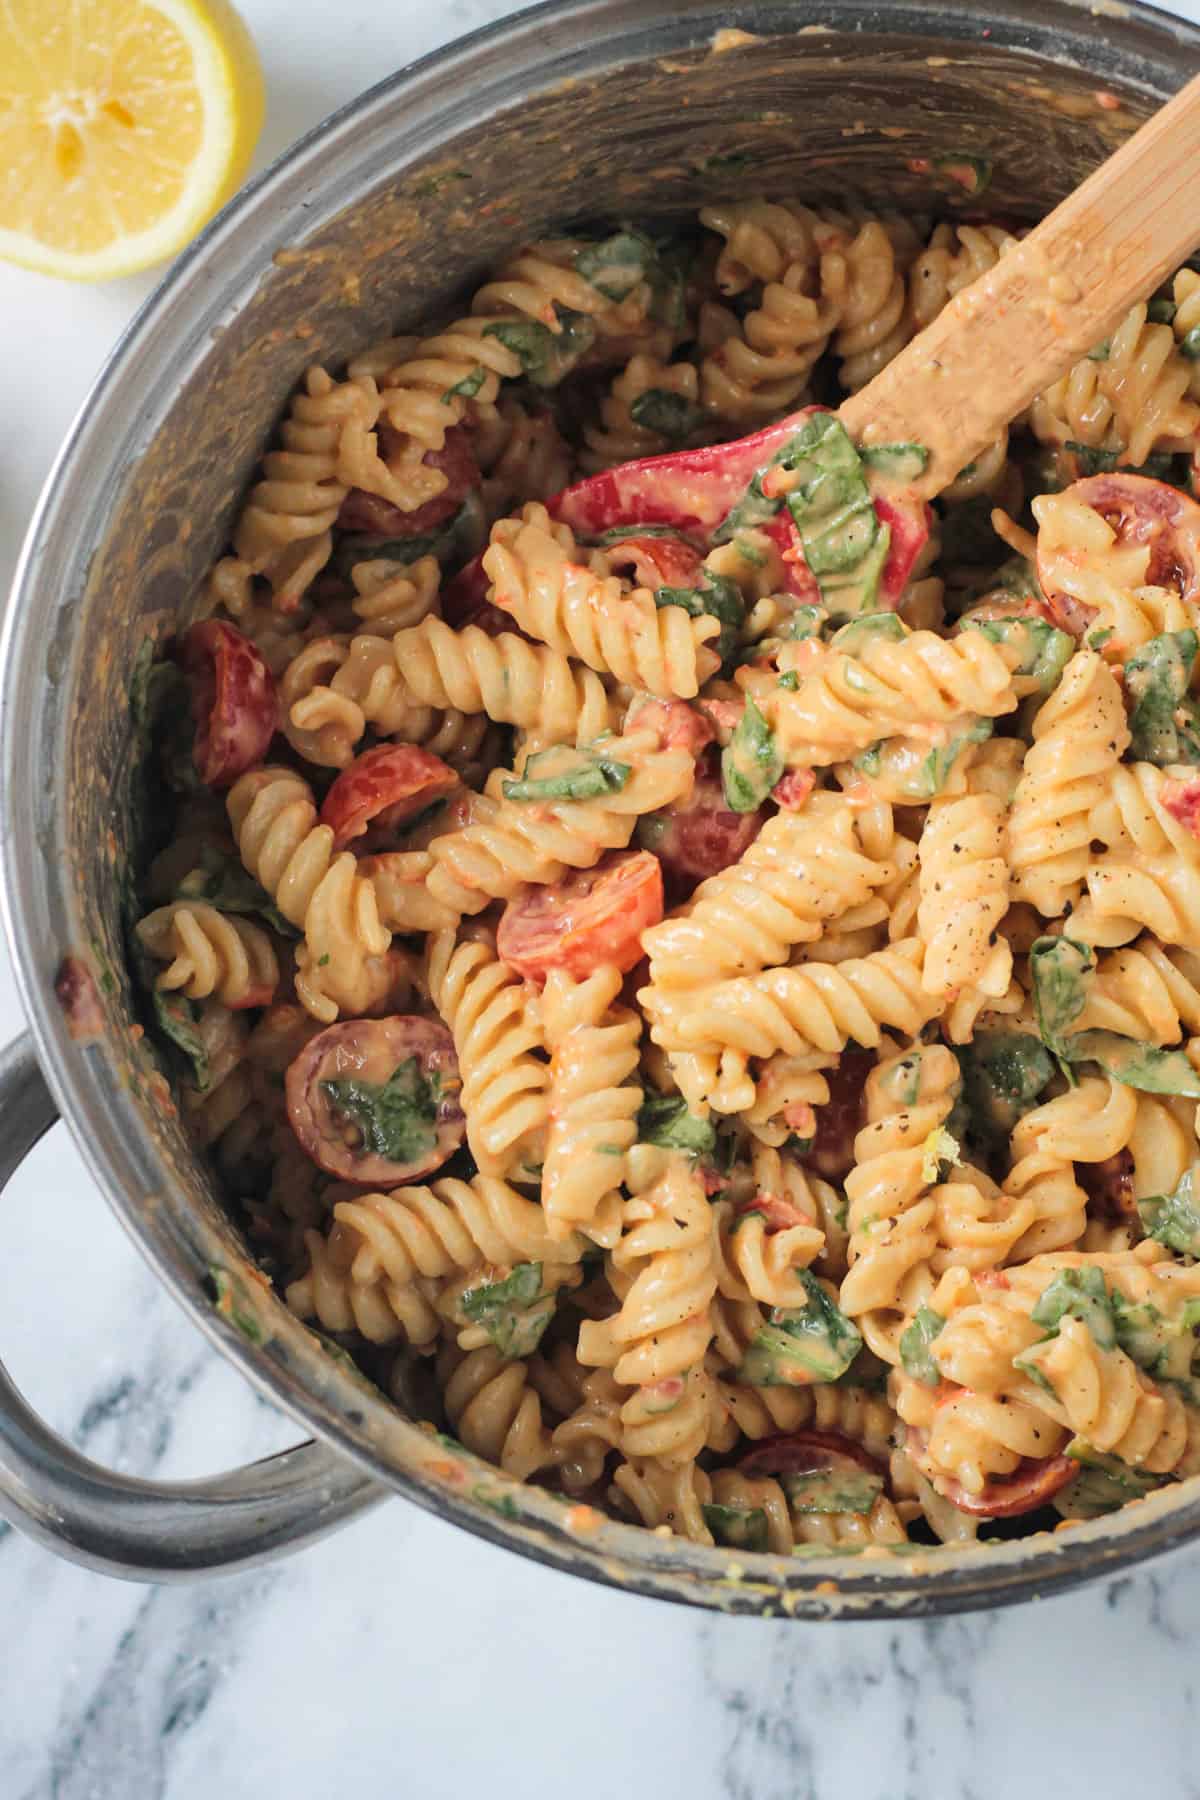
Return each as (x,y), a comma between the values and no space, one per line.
(726,716)
(690,489)
(792,790)
(369,1052)
(800,1452)
(798,578)
(365,512)
(591,918)
(699,835)
(383,787)
(1031,1485)
(909,521)
(654,562)
(1140,511)
(839,1121)
(1181,798)
(677,725)
(233,701)
(779,1213)
(1109,1186)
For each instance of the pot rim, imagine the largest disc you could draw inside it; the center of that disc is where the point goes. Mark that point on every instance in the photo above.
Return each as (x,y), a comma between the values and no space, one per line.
(497,65)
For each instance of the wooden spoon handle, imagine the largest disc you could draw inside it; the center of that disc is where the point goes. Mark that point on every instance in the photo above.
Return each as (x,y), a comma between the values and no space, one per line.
(1049,300)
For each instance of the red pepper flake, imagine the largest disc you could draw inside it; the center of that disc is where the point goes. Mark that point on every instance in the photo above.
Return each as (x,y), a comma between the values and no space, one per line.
(1108,101)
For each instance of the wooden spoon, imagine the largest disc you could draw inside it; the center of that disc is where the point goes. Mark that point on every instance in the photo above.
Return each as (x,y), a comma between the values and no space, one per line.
(1050,299)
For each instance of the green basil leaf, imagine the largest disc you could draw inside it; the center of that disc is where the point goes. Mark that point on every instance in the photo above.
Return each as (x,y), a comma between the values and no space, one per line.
(397,1118)
(750,762)
(664,1120)
(915,1340)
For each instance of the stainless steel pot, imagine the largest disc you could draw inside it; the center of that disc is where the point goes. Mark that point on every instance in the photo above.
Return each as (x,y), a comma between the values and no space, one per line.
(610,107)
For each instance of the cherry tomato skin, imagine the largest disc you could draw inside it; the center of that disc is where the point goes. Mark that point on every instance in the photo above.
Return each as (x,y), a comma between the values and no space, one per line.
(692,490)
(1181,798)
(383,787)
(1109,1186)
(800,1452)
(798,579)
(838,1122)
(593,917)
(233,701)
(779,1213)
(371,514)
(1031,1485)
(654,562)
(909,525)
(699,835)
(792,790)
(676,724)
(1141,512)
(371,1050)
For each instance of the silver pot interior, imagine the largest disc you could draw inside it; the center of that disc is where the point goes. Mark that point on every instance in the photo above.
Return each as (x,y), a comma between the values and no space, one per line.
(383,219)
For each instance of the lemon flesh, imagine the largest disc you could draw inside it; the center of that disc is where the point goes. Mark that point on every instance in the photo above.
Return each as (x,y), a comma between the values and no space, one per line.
(124,124)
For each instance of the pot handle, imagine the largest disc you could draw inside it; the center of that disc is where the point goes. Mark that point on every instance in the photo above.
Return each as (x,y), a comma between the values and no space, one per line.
(144,1530)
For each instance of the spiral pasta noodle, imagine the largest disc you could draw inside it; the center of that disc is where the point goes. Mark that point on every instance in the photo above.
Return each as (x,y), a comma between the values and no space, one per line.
(594,1100)
(211,953)
(536,578)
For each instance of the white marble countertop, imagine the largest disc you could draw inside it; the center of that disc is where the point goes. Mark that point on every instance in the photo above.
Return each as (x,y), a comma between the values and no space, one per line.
(404,1654)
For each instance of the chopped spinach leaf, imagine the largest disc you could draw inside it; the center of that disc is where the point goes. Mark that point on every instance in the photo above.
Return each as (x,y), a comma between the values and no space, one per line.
(615,266)
(915,1340)
(176,1017)
(396,1118)
(469,386)
(1142,1066)
(1189,344)
(1103,1484)
(815,1342)
(903,462)
(514,1312)
(750,763)
(1058,967)
(738,1527)
(868,628)
(1044,651)
(227,1303)
(1174,1219)
(673,416)
(664,1120)
(453,543)
(1164,722)
(221,881)
(1078,1294)
(848,1490)
(545,355)
(588,778)
(1004,1074)
(720,598)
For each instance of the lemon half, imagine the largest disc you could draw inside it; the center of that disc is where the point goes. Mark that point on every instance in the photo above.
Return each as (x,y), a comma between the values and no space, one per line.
(124,124)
